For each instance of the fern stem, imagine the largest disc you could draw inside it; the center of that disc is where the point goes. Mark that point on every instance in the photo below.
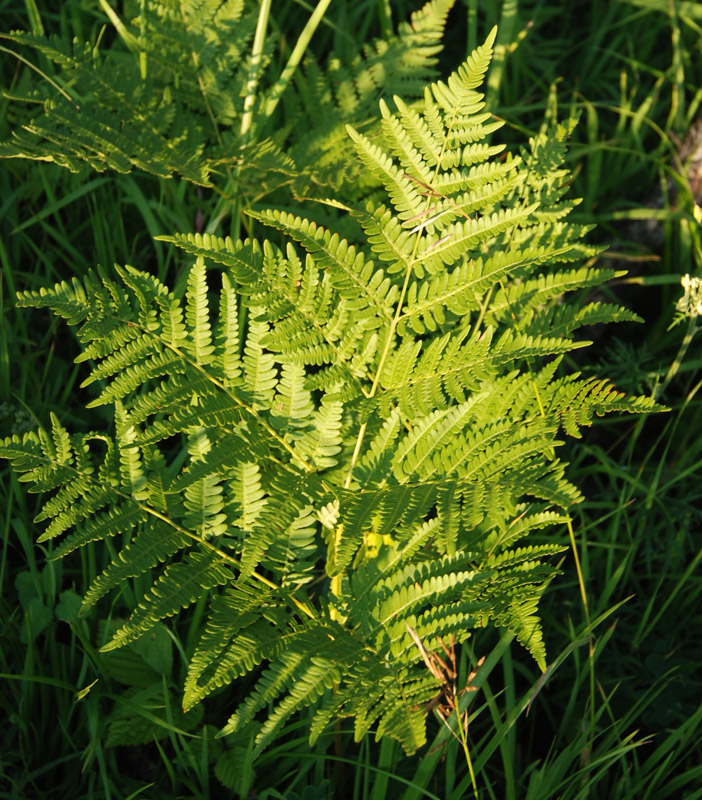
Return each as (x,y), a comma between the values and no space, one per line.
(398,311)
(356,451)
(383,357)
(255,69)
(301,45)
(252,82)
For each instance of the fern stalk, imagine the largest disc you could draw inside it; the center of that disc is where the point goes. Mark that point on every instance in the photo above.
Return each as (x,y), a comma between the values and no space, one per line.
(403,292)
(254,76)
(252,82)
(301,45)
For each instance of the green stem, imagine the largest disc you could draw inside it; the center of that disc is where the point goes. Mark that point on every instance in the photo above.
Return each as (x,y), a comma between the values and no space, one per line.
(591,646)
(692,329)
(400,301)
(124,34)
(385,17)
(303,41)
(505,36)
(466,751)
(252,82)
(255,70)
(38,71)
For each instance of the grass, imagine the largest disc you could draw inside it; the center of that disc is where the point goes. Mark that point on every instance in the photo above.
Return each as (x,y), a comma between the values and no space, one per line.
(619,714)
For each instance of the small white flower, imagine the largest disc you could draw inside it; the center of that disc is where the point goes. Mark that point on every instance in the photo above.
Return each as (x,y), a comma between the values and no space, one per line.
(690,304)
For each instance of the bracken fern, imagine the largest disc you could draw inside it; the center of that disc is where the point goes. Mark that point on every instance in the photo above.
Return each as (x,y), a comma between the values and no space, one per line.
(344,447)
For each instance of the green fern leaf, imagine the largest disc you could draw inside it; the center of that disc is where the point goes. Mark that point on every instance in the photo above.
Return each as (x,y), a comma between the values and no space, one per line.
(236,639)
(179,586)
(152,546)
(199,342)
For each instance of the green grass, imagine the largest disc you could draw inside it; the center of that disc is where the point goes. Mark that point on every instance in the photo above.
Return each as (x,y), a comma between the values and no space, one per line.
(619,714)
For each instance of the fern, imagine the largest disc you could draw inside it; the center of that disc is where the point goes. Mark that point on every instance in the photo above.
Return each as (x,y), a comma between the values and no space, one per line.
(379,454)
(169,99)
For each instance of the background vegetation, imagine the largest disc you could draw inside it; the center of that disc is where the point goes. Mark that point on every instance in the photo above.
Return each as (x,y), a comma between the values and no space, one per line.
(620,713)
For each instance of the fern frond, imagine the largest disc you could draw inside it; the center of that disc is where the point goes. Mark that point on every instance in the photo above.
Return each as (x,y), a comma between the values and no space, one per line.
(374,513)
(524,300)
(149,548)
(306,667)
(454,366)
(199,342)
(179,586)
(400,711)
(91,524)
(576,401)
(289,491)
(311,320)
(235,640)
(456,96)
(294,552)
(292,405)
(123,122)
(260,374)
(349,93)
(249,494)
(375,466)
(324,440)
(401,189)
(354,438)
(227,341)
(351,274)
(563,320)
